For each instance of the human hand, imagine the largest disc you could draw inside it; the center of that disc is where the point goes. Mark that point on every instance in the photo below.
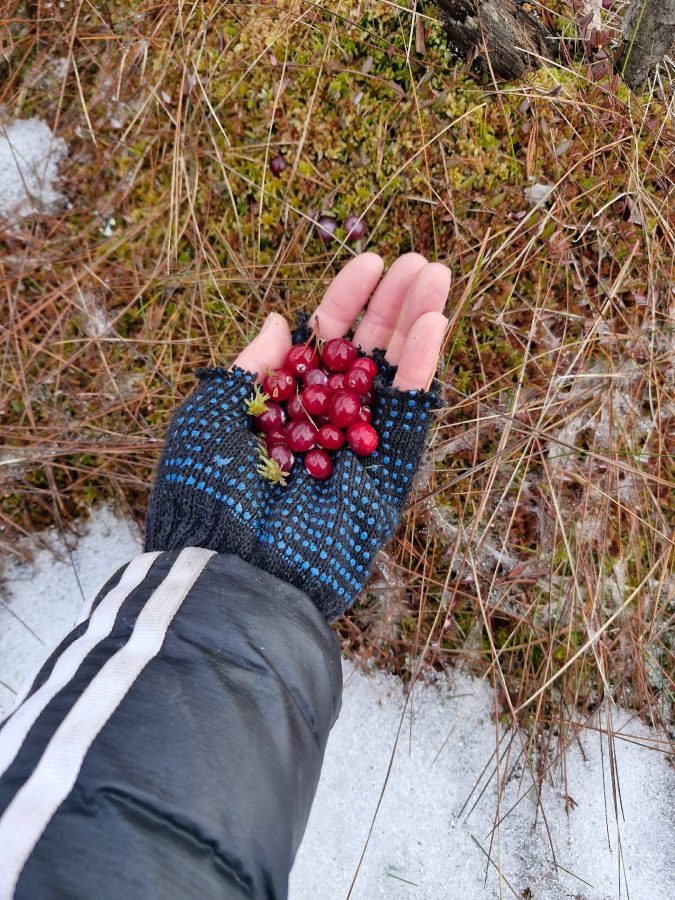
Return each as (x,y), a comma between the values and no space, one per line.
(320,536)
(404,316)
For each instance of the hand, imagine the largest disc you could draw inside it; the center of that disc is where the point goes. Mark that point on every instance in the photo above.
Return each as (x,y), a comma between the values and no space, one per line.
(321,536)
(404,316)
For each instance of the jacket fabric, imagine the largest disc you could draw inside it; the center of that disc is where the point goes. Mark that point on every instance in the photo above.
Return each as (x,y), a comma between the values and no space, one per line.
(171,746)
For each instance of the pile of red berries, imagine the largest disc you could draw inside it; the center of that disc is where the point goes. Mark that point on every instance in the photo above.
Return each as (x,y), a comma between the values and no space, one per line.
(320,400)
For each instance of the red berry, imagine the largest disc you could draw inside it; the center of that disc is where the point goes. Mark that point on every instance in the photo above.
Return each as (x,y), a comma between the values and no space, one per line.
(319,464)
(275,436)
(362,438)
(365,362)
(282,454)
(300,358)
(365,414)
(301,436)
(331,437)
(279,384)
(273,417)
(354,227)
(358,380)
(344,408)
(326,228)
(278,164)
(315,376)
(336,382)
(315,399)
(296,410)
(338,355)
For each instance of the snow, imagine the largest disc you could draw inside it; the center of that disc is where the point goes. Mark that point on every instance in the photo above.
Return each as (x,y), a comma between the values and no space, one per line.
(439,799)
(426,832)
(40,601)
(30,155)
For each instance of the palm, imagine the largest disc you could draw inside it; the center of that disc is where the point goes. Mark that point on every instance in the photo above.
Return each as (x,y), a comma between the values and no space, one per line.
(320,536)
(403,315)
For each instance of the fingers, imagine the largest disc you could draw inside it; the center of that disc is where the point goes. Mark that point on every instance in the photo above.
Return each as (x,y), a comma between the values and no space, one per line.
(347,294)
(427,294)
(268,350)
(383,310)
(420,352)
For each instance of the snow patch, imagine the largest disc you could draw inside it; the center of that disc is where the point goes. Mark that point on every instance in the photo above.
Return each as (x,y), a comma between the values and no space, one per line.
(40,600)
(433,832)
(30,155)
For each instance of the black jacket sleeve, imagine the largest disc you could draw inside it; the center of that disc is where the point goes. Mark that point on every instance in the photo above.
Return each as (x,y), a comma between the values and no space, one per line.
(171,746)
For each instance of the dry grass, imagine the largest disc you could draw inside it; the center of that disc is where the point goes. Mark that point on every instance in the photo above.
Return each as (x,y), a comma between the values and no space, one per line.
(539,551)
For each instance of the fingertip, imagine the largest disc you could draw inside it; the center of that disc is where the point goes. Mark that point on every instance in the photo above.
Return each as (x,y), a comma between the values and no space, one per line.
(437,276)
(274,321)
(372,261)
(412,258)
(420,353)
(268,350)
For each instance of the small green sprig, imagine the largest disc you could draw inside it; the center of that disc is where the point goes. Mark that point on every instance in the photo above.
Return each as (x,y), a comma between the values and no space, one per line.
(255,405)
(270,468)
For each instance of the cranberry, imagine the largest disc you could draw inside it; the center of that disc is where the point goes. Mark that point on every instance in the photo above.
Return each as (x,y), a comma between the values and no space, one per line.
(273,417)
(338,355)
(359,380)
(365,362)
(365,414)
(301,436)
(278,164)
(331,437)
(344,408)
(282,454)
(279,384)
(315,376)
(296,410)
(362,438)
(319,464)
(336,382)
(300,358)
(354,227)
(276,436)
(315,399)
(326,228)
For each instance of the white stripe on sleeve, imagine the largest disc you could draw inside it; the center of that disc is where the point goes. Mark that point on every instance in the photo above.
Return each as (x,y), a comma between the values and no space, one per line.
(25,716)
(32,808)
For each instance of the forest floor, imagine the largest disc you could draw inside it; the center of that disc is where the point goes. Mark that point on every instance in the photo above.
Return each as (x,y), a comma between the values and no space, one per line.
(142,233)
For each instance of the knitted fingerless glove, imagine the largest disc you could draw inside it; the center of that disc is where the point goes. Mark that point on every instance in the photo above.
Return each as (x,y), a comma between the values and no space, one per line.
(321,536)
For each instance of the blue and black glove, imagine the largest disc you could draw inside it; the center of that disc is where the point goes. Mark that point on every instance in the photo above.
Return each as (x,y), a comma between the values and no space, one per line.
(321,536)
